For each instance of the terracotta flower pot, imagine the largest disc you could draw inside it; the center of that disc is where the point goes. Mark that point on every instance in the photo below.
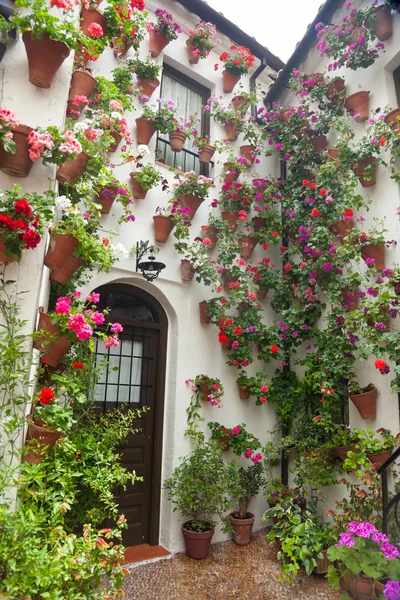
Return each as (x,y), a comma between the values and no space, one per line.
(82,84)
(197,543)
(117,137)
(193,54)
(242,529)
(229,80)
(231,133)
(192,202)
(226,345)
(92,16)
(380,458)
(335,88)
(45,57)
(144,131)
(376,252)
(258,224)
(18,164)
(224,441)
(55,349)
(244,393)
(106,198)
(383,29)
(71,169)
(69,268)
(158,41)
(206,320)
(177,140)
(366,402)
(352,303)
(205,392)
(322,564)
(137,191)
(342,228)
(365,170)
(232,218)
(42,440)
(248,245)
(247,152)
(360,587)
(206,154)
(358,103)
(342,451)
(238,101)
(148,86)
(122,46)
(379,586)
(320,143)
(162,228)
(60,248)
(393,119)
(187,270)
(227,281)
(211,233)
(230,173)
(261,292)
(4,257)
(333,154)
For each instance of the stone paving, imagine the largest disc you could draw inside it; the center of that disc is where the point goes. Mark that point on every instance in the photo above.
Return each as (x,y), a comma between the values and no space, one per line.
(230,572)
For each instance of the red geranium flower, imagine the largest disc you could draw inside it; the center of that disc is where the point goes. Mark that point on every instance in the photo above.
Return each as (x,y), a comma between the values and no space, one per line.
(314,213)
(322,192)
(78,365)
(266,246)
(348,212)
(46,395)
(287,267)
(222,338)
(274,349)
(313,186)
(305,182)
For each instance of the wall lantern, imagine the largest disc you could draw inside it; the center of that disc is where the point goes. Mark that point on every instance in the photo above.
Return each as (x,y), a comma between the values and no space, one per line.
(150,268)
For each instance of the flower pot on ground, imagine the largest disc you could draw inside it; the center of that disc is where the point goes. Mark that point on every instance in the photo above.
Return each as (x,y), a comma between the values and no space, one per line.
(393,119)
(358,104)
(53,346)
(162,228)
(40,441)
(69,268)
(322,564)
(45,57)
(335,88)
(230,131)
(137,191)
(192,202)
(197,543)
(244,392)
(177,140)
(365,170)
(18,164)
(383,28)
(232,218)
(342,228)
(60,248)
(360,587)
(206,153)
(148,86)
(365,401)
(187,270)
(144,131)
(242,528)
(82,84)
(88,17)
(229,80)
(204,318)
(71,169)
(248,244)
(158,41)
(247,152)
(380,457)
(375,251)
(319,143)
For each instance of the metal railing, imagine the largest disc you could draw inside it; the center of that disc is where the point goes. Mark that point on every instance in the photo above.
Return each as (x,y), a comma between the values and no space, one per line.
(390,503)
(186,159)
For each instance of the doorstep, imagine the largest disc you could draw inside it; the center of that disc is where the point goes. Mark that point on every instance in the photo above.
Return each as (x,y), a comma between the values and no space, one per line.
(144,552)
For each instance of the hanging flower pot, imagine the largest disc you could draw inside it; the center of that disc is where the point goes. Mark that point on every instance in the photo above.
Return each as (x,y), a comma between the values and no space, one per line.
(380,458)
(248,245)
(193,53)
(4,257)
(121,46)
(320,143)
(261,292)
(227,281)
(106,198)
(144,131)
(206,153)
(158,41)
(205,392)
(148,86)
(232,218)
(383,29)
(210,233)
(350,298)
(60,248)
(229,80)
(377,252)
(342,451)
(42,439)
(333,154)
(88,17)
(71,169)
(177,139)
(18,164)
(187,270)
(230,131)
(204,318)
(238,101)
(365,170)
(342,228)
(45,57)
(242,528)
(137,191)
(224,440)
(365,402)
(244,393)
(69,268)
(358,104)
(53,350)
(192,202)
(248,152)
(226,345)
(82,84)
(197,543)
(231,174)
(335,88)
(258,224)
(393,119)
(162,228)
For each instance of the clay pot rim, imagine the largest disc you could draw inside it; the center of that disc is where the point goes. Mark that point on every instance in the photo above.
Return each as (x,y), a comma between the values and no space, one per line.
(198,532)
(25,129)
(245,521)
(364,390)
(360,93)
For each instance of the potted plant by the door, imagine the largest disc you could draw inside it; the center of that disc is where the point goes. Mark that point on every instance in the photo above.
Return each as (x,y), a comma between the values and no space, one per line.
(249,482)
(162,32)
(199,489)
(238,62)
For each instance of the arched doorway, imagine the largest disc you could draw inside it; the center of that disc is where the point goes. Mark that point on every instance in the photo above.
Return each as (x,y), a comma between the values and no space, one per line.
(138,381)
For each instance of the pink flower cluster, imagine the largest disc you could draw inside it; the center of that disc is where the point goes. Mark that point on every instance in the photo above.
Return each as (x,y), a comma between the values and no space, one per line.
(63,4)
(70,144)
(255,458)
(7,118)
(38,143)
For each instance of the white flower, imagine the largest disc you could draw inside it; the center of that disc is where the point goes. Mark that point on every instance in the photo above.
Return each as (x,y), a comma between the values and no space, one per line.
(144,150)
(62,203)
(119,251)
(116,116)
(82,125)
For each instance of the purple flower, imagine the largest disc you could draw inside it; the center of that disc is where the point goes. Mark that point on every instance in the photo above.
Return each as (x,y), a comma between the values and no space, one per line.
(327,267)
(304,327)
(380,538)
(340,320)
(392,590)
(379,326)
(372,292)
(295,334)
(393,313)
(369,261)
(387,273)
(353,338)
(364,529)
(199,495)
(131,218)
(390,551)
(345,540)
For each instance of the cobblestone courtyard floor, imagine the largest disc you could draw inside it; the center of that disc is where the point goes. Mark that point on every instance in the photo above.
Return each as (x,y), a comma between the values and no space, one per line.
(229,572)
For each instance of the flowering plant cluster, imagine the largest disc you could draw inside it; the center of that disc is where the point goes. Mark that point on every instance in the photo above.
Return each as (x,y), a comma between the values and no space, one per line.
(238,61)
(201,38)
(241,441)
(126,23)
(8,121)
(162,117)
(144,69)
(256,385)
(190,183)
(166,24)
(53,146)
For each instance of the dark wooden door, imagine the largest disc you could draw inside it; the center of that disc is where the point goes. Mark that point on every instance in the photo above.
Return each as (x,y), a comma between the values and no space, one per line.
(137,382)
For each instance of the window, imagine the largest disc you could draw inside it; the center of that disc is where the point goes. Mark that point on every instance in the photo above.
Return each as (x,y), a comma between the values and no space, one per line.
(189,96)
(396,77)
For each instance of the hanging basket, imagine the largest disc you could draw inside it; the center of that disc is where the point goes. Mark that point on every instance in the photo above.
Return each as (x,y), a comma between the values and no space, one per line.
(352,304)
(366,401)
(358,103)
(106,198)
(60,248)
(230,174)
(261,292)
(206,153)
(320,143)
(4,257)
(258,224)
(380,458)
(177,140)
(45,57)
(82,84)
(192,202)
(211,233)
(122,46)
(342,451)
(148,86)
(244,393)
(229,80)
(144,131)
(238,101)
(336,88)
(18,164)
(227,281)
(232,218)
(204,318)
(71,169)
(162,228)
(40,440)
(69,268)
(158,41)
(137,191)
(187,270)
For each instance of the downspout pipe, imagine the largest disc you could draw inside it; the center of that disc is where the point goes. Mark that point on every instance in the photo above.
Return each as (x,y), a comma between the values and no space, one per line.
(261,67)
